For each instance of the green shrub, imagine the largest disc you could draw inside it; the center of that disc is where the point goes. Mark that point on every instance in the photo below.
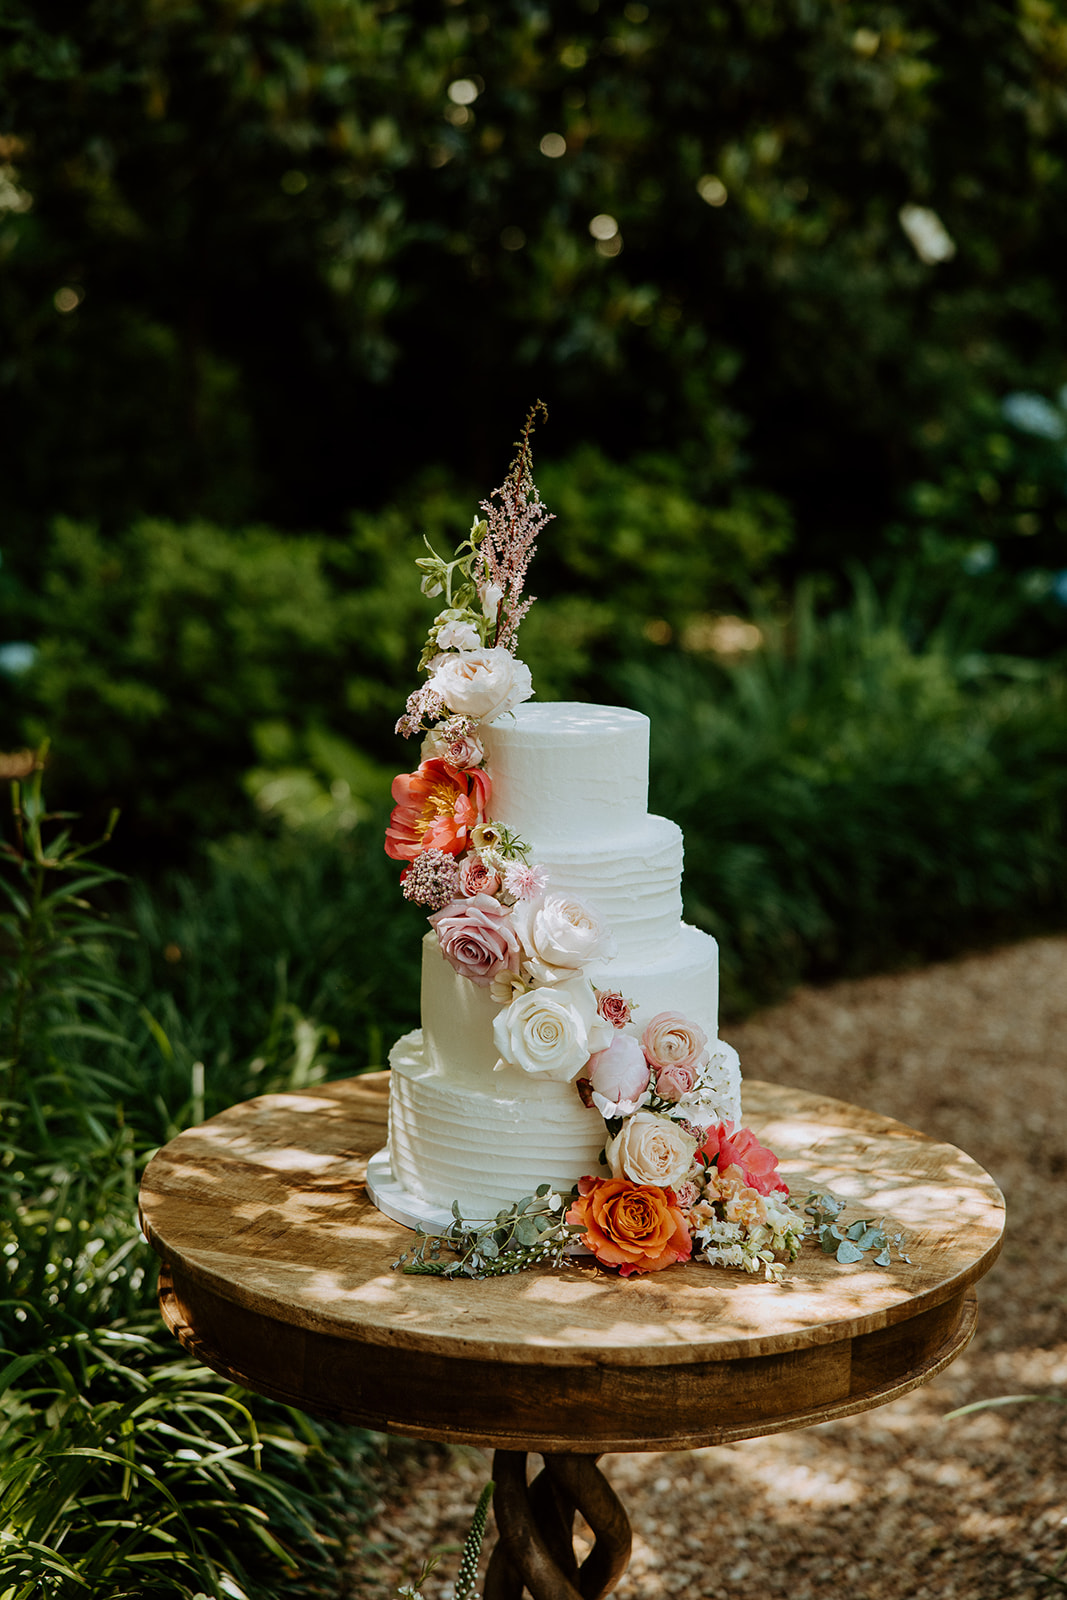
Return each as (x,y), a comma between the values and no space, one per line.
(852,798)
(182,671)
(259,262)
(126,1469)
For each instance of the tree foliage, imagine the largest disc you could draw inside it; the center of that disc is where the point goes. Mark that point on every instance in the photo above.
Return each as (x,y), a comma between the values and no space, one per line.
(261,259)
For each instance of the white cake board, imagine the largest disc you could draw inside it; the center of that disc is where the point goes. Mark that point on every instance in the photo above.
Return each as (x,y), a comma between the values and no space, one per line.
(397,1202)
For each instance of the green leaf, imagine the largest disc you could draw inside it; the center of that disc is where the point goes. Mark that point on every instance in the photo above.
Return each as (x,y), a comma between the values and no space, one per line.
(847,1253)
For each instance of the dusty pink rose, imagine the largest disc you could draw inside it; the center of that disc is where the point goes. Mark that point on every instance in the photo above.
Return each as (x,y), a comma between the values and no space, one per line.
(476,938)
(673,1082)
(476,877)
(742,1149)
(671,1041)
(620,1072)
(613,1007)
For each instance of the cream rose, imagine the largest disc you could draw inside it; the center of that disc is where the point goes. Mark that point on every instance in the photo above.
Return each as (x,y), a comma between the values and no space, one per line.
(672,1041)
(482,683)
(552,1032)
(651,1149)
(558,936)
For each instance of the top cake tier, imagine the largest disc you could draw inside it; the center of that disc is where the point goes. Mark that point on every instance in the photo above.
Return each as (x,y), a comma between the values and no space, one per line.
(565,772)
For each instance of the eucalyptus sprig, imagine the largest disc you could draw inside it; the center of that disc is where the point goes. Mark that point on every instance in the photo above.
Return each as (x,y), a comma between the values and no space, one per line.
(851,1244)
(533,1232)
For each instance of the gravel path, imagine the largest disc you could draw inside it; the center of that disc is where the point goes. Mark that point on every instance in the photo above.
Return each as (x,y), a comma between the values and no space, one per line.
(896,1504)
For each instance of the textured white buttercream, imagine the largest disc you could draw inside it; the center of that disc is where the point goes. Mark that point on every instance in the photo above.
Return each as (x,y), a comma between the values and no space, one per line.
(568,773)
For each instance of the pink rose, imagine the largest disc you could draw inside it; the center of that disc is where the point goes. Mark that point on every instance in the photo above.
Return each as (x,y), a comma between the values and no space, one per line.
(620,1072)
(475,877)
(465,752)
(673,1082)
(476,938)
(671,1041)
(613,1008)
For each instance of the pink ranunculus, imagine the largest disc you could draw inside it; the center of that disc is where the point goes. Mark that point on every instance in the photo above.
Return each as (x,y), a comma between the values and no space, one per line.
(728,1148)
(620,1072)
(477,877)
(476,938)
(675,1081)
(613,1007)
(672,1041)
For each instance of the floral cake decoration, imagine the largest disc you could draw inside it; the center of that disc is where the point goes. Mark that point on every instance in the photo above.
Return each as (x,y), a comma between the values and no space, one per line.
(679,1183)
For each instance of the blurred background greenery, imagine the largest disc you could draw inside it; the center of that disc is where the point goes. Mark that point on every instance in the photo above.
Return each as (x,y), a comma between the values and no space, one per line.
(280,280)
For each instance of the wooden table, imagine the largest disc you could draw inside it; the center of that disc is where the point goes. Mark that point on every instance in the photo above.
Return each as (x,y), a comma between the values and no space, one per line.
(276,1273)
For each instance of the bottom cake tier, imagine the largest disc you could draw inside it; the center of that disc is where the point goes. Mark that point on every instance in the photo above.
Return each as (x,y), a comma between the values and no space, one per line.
(485,1148)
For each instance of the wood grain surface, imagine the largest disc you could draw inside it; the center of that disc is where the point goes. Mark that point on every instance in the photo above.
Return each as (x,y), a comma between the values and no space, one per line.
(277,1273)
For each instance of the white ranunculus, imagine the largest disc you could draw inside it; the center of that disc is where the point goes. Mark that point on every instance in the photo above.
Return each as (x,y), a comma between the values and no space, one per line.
(558,935)
(651,1149)
(552,1032)
(482,683)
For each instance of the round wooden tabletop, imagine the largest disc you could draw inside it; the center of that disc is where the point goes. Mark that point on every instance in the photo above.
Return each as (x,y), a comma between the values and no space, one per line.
(277,1273)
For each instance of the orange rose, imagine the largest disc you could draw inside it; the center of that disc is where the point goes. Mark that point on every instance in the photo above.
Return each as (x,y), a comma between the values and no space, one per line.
(635,1227)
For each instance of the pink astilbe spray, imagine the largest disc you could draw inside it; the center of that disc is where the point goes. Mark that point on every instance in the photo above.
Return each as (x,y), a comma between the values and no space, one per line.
(515,517)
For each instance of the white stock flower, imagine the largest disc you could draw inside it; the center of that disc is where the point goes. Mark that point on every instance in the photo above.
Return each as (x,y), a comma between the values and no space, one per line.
(551,1032)
(458,636)
(492,595)
(651,1149)
(558,935)
(483,684)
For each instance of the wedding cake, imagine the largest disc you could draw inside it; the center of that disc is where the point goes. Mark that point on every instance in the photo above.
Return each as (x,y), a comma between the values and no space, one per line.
(572,781)
(567,1088)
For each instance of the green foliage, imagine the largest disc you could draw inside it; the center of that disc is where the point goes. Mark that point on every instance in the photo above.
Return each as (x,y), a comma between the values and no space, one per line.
(857,794)
(267,261)
(125,1468)
(52,990)
(277,964)
(182,670)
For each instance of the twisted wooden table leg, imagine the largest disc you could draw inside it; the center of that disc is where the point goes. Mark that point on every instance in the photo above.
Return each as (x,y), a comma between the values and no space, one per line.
(535,1551)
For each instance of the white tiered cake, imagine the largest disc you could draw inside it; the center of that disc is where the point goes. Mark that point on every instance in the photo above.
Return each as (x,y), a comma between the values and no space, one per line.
(572,781)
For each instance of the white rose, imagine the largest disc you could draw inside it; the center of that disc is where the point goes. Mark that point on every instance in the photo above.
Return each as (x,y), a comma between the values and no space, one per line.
(482,683)
(551,1033)
(458,636)
(558,935)
(651,1149)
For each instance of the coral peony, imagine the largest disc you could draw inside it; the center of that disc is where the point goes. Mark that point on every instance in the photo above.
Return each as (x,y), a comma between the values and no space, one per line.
(635,1227)
(436,809)
(742,1149)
